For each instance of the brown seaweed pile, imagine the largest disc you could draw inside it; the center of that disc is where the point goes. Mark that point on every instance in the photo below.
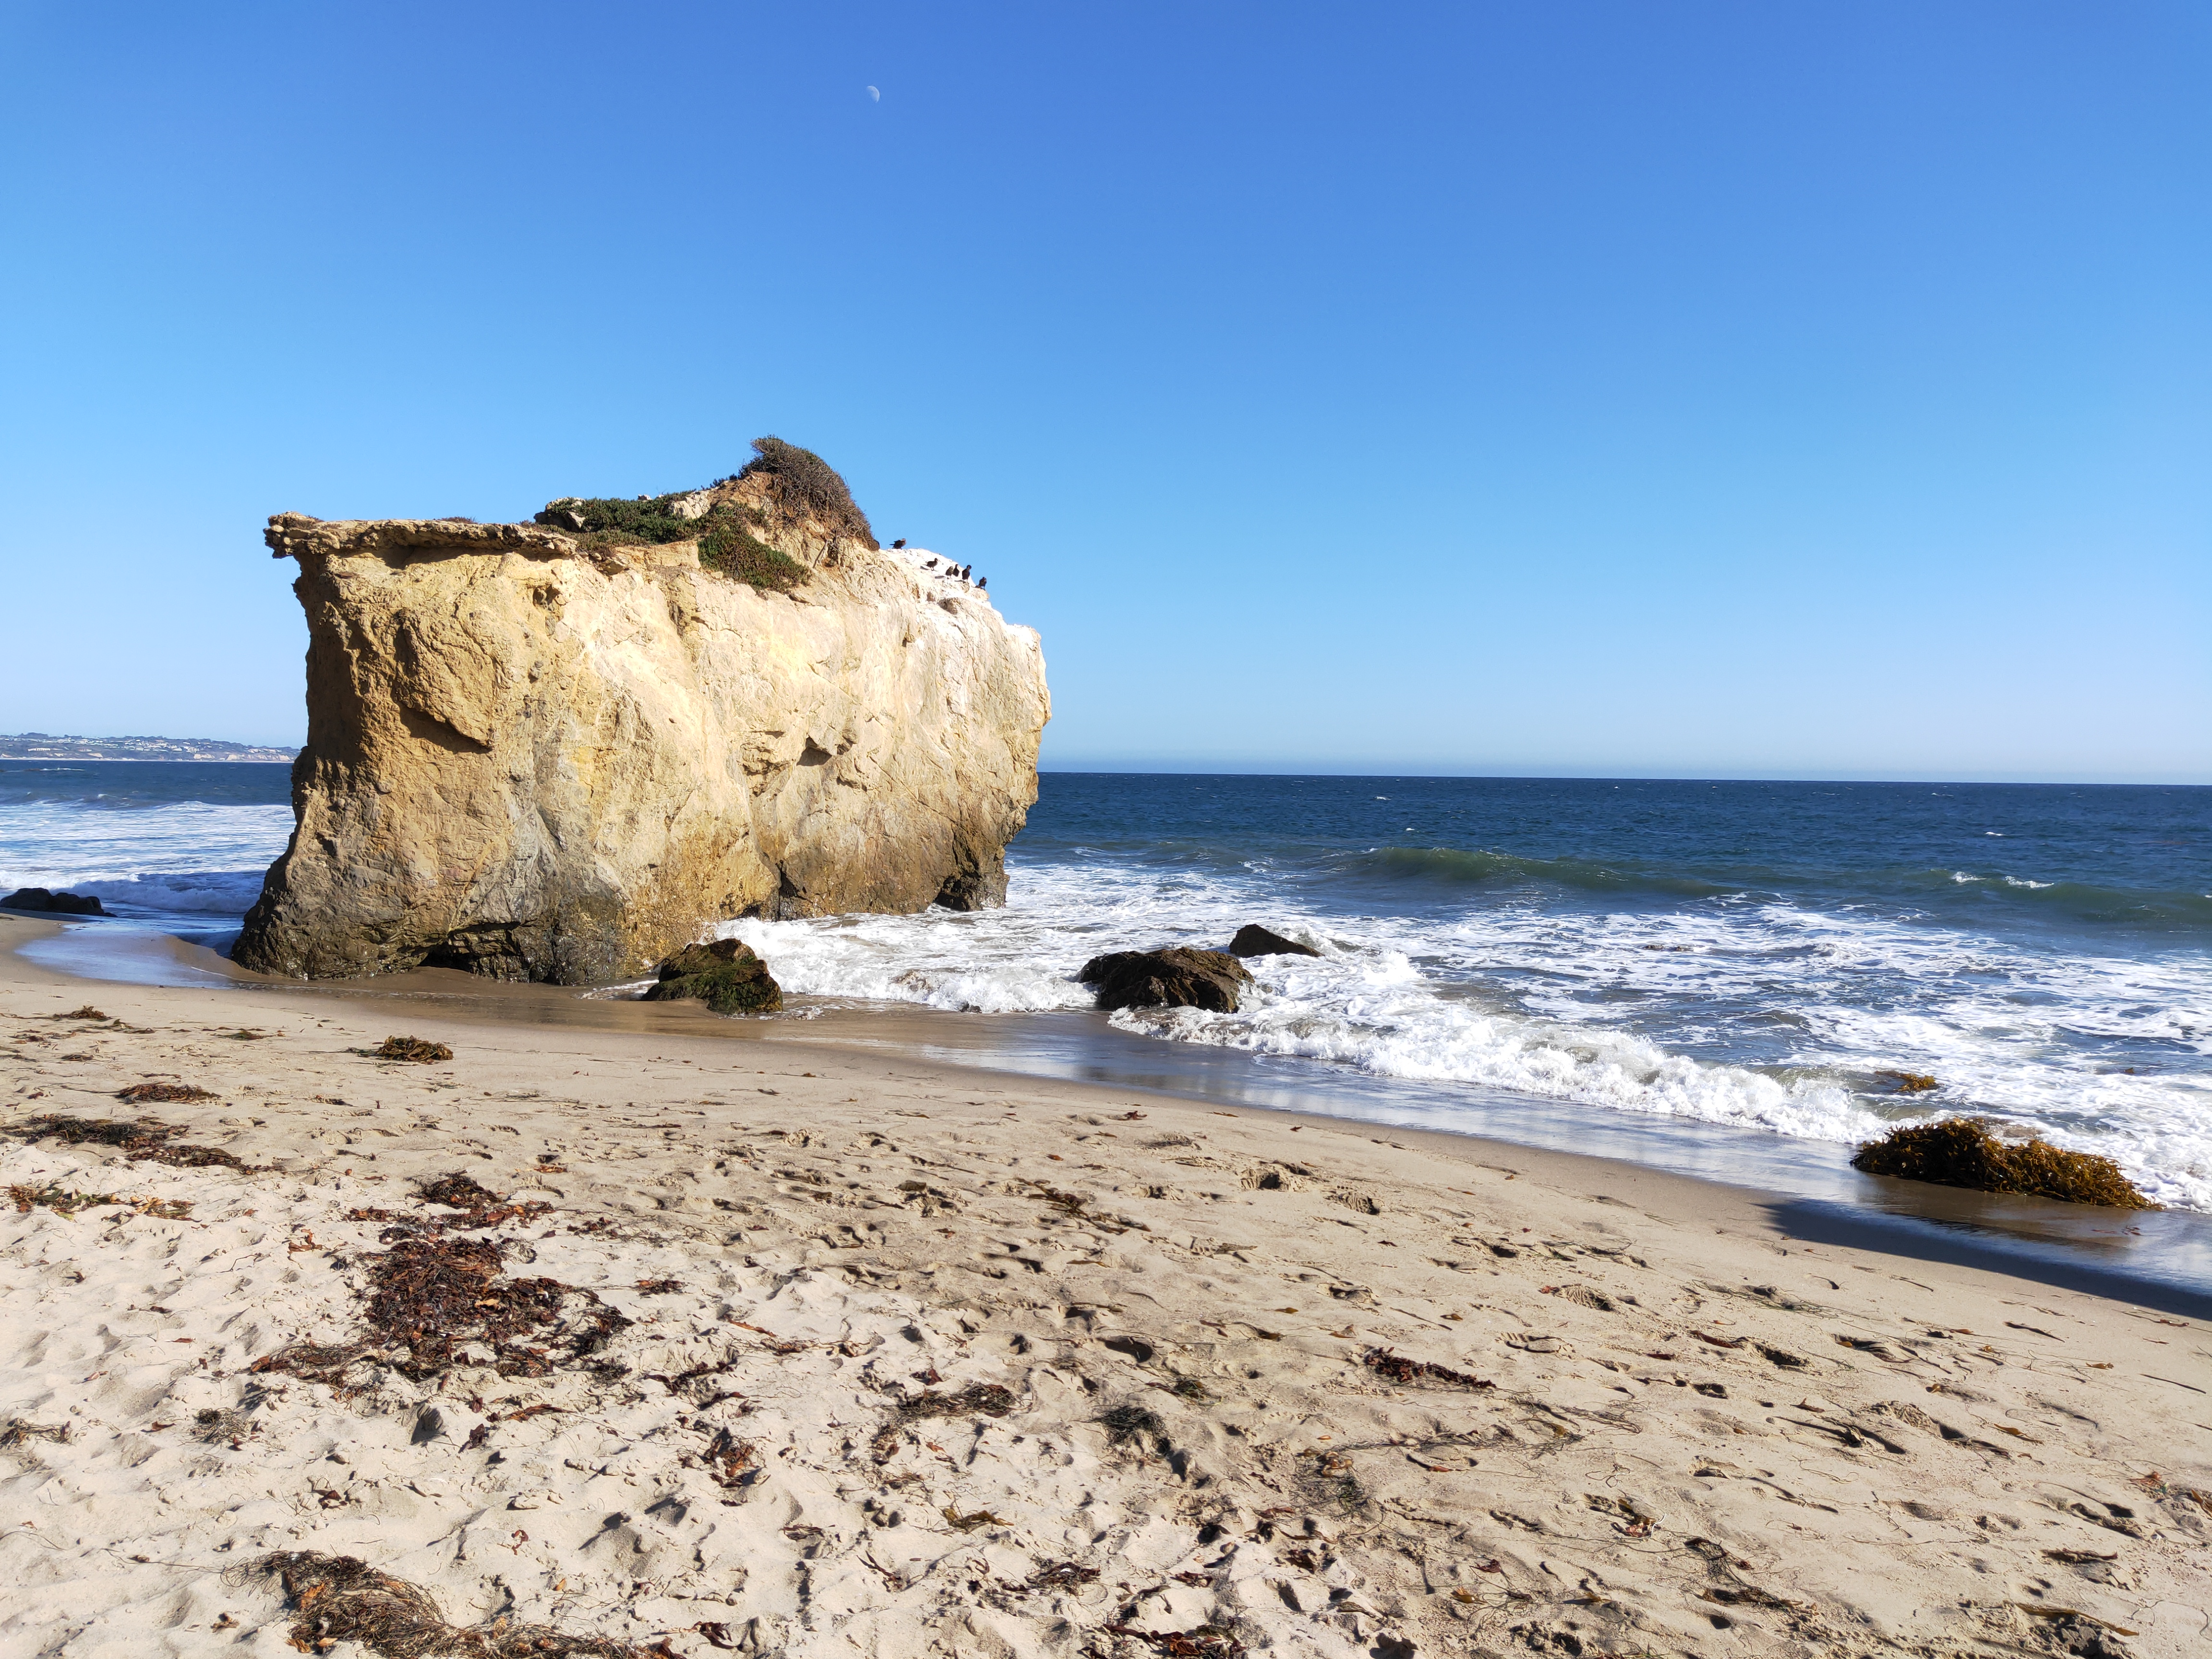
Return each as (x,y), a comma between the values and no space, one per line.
(412,1047)
(1960,1151)
(139,1094)
(435,1301)
(141,1140)
(480,1207)
(341,1599)
(1384,1363)
(68,1202)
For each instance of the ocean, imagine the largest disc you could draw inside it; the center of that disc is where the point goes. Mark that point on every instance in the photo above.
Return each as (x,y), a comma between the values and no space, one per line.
(1730,958)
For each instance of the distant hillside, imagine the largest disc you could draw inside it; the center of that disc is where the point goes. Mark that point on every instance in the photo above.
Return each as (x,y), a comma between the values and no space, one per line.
(40,746)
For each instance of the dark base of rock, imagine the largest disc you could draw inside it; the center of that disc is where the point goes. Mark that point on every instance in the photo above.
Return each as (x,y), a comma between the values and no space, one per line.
(1254,940)
(975,890)
(59,904)
(1174,978)
(726,975)
(1962,1152)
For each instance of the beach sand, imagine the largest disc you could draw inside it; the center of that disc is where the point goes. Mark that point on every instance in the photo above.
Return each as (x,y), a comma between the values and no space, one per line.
(770,1348)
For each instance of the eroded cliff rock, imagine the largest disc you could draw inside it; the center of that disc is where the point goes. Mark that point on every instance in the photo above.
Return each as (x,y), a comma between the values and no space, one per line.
(562,753)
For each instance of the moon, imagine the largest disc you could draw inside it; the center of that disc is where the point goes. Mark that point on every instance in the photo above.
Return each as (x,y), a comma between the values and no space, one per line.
(874,96)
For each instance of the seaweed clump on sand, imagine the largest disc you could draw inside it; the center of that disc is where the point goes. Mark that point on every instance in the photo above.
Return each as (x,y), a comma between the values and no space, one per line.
(68,1202)
(139,1093)
(436,1301)
(479,1207)
(140,1140)
(1125,1425)
(723,974)
(415,1048)
(340,1598)
(1399,1370)
(1960,1151)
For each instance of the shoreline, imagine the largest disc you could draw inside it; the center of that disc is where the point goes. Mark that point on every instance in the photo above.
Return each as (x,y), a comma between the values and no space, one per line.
(895,1353)
(2161,1260)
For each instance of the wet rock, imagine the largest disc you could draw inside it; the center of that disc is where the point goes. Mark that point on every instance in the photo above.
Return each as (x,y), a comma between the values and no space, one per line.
(724,974)
(63,904)
(1174,978)
(1254,940)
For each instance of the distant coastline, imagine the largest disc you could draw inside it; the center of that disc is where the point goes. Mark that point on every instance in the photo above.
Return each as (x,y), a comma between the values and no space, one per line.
(42,746)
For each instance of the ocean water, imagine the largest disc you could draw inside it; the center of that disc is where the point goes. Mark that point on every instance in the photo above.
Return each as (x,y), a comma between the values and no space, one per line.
(1750,956)
(176,845)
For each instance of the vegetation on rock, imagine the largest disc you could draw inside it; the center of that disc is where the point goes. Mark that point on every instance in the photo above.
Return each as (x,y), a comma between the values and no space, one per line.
(1960,1151)
(805,485)
(809,485)
(724,533)
(724,974)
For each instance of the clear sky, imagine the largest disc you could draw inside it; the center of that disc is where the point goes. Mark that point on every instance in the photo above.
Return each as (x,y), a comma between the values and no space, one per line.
(1737,390)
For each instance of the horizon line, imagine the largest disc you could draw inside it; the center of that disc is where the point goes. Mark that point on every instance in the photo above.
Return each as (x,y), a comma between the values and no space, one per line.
(2008,781)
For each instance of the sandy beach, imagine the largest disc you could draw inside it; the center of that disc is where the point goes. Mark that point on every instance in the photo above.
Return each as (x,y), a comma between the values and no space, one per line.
(763,1346)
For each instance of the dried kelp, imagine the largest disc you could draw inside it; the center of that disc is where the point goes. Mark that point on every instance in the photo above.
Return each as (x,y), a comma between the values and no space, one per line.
(142,1093)
(413,1048)
(1384,1363)
(1203,1641)
(141,1140)
(456,1191)
(977,1399)
(1125,1424)
(342,1599)
(480,1207)
(436,1301)
(17,1431)
(1061,1576)
(67,1201)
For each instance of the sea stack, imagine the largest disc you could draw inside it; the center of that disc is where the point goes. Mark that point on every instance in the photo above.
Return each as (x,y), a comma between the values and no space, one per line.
(562,751)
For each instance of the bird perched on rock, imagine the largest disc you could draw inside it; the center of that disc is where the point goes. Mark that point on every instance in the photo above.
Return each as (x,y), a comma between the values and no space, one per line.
(982,582)
(932,565)
(901,542)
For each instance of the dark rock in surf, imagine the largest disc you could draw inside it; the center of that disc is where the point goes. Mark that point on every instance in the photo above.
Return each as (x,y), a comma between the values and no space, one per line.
(1174,978)
(724,974)
(64,904)
(1254,940)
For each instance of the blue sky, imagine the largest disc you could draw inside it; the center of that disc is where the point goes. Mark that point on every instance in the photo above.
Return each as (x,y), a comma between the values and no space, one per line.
(1685,389)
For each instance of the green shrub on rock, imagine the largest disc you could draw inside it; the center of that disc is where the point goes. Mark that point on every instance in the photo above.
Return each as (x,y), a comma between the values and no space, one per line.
(811,485)
(801,485)
(725,534)
(724,974)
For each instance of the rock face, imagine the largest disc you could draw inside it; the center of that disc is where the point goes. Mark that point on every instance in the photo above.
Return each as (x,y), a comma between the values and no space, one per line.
(63,904)
(540,754)
(726,975)
(1174,978)
(1254,940)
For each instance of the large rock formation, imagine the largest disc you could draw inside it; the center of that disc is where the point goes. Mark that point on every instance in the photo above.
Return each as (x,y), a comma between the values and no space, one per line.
(562,753)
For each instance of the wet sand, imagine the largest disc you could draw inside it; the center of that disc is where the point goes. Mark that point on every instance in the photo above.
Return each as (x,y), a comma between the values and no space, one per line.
(845,1347)
(2159,1260)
